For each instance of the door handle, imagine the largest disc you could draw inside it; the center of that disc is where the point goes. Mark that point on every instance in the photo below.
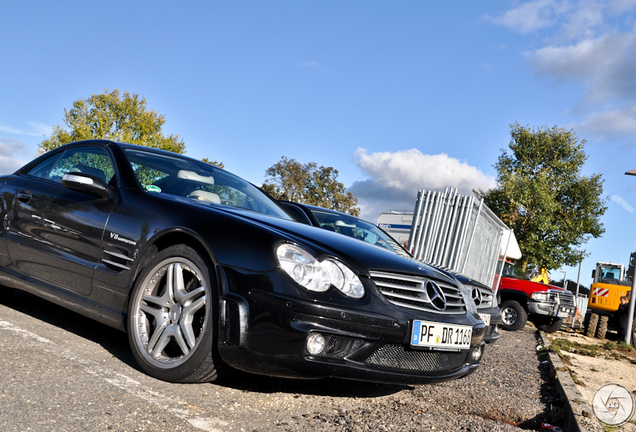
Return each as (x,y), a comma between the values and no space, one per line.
(24,196)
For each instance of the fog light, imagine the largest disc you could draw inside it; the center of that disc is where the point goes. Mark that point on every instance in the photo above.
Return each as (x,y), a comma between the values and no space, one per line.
(475,354)
(316,343)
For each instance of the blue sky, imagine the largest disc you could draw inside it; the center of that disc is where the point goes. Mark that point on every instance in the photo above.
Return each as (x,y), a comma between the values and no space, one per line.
(397,96)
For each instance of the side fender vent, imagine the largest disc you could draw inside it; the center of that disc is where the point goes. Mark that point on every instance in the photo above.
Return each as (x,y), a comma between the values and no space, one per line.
(231,321)
(117,260)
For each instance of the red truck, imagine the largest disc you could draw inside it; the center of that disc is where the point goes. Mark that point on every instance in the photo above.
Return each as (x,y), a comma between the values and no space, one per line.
(521,299)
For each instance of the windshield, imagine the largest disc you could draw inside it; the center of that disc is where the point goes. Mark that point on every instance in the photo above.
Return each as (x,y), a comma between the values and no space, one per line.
(357,228)
(513,272)
(610,272)
(175,175)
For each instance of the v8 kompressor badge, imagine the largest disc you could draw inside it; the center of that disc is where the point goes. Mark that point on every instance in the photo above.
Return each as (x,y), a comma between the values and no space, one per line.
(119,238)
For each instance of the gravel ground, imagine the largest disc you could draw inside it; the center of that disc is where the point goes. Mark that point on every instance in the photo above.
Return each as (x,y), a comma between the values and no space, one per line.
(63,372)
(511,391)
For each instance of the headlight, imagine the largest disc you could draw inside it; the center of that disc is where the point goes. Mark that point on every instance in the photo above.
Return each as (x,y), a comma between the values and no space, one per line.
(318,276)
(540,296)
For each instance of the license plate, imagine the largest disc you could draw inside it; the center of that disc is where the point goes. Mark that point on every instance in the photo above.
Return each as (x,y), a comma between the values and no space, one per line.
(440,335)
(563,314)
(485,318)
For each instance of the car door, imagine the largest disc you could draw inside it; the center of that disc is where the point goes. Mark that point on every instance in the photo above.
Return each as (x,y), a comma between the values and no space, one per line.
(54,234)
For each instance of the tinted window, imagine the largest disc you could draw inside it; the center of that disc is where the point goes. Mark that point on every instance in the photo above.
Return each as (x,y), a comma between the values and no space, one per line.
(42,169)
(88,160)
(357,228)
(175,175)
(513,272)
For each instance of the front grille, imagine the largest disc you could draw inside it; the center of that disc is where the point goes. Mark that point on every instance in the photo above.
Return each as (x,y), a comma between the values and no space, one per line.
(397,357)
(485,298)
(565,297)
(419,293)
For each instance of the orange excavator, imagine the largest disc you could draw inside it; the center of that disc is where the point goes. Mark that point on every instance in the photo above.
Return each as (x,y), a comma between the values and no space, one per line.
(609,285)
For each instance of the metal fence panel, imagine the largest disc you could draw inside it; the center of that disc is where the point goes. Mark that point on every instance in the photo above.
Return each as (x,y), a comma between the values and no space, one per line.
(458,233)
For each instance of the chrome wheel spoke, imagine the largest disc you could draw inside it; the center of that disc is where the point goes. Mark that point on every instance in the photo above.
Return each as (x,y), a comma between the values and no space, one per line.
(189,297)
(169,333)
(174,280)
(162,301)
(158,314)
(187,318)
(194,307)
(188,333)
(180,341)
(154,348)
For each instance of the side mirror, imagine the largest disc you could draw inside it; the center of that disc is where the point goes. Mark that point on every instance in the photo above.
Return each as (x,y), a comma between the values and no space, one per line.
(593,274)
(87,184)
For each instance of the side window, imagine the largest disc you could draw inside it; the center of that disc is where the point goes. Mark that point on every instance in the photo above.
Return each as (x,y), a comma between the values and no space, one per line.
(147,177)
(88,160)
(43,168)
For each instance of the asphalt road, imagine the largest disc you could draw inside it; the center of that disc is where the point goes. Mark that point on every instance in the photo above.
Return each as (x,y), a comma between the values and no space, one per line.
(63,372)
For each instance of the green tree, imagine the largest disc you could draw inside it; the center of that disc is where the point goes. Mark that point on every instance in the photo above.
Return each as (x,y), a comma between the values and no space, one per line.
(309,184)
(214,163)
(114,117)
(543,196)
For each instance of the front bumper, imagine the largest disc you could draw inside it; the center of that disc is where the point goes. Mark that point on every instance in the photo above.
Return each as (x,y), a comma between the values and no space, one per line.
(559,310)
(491,333)
(266,333)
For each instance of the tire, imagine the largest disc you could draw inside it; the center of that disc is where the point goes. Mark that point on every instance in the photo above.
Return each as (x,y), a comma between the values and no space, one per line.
(590,331)
(601,330)
(514,316)
(552,326)
(172,317)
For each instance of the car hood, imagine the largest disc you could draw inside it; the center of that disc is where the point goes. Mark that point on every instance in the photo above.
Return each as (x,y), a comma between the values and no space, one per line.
(527,285)
(362,257)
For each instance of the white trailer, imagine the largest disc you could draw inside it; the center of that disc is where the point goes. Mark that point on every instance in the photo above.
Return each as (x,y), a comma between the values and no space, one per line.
(397,224)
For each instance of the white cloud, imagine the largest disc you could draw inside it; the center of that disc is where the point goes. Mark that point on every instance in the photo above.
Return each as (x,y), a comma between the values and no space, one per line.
(13,155)
(620,201)
(309,64)
(36,129)
(584,60)
(593,44)
(530,16)
(611,124)
(40,129)
(10,130)
(605,65)
(396,177)
(621,6)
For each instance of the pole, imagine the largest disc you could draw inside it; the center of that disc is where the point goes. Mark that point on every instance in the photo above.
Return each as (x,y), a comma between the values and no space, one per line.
(578,283)
(632,300)
(578,279)
(630,316)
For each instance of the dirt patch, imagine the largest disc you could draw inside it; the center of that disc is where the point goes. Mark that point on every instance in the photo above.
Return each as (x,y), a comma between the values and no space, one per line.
(593,363)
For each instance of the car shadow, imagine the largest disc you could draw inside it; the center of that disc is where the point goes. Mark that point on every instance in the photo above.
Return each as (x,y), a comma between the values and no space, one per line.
(554,410)
(331,387)
(112,340)
(116,343)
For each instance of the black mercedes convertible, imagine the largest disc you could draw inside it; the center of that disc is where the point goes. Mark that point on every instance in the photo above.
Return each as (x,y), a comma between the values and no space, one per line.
(204,271)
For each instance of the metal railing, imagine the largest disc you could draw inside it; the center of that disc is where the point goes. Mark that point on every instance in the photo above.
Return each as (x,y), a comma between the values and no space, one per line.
(458,233)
